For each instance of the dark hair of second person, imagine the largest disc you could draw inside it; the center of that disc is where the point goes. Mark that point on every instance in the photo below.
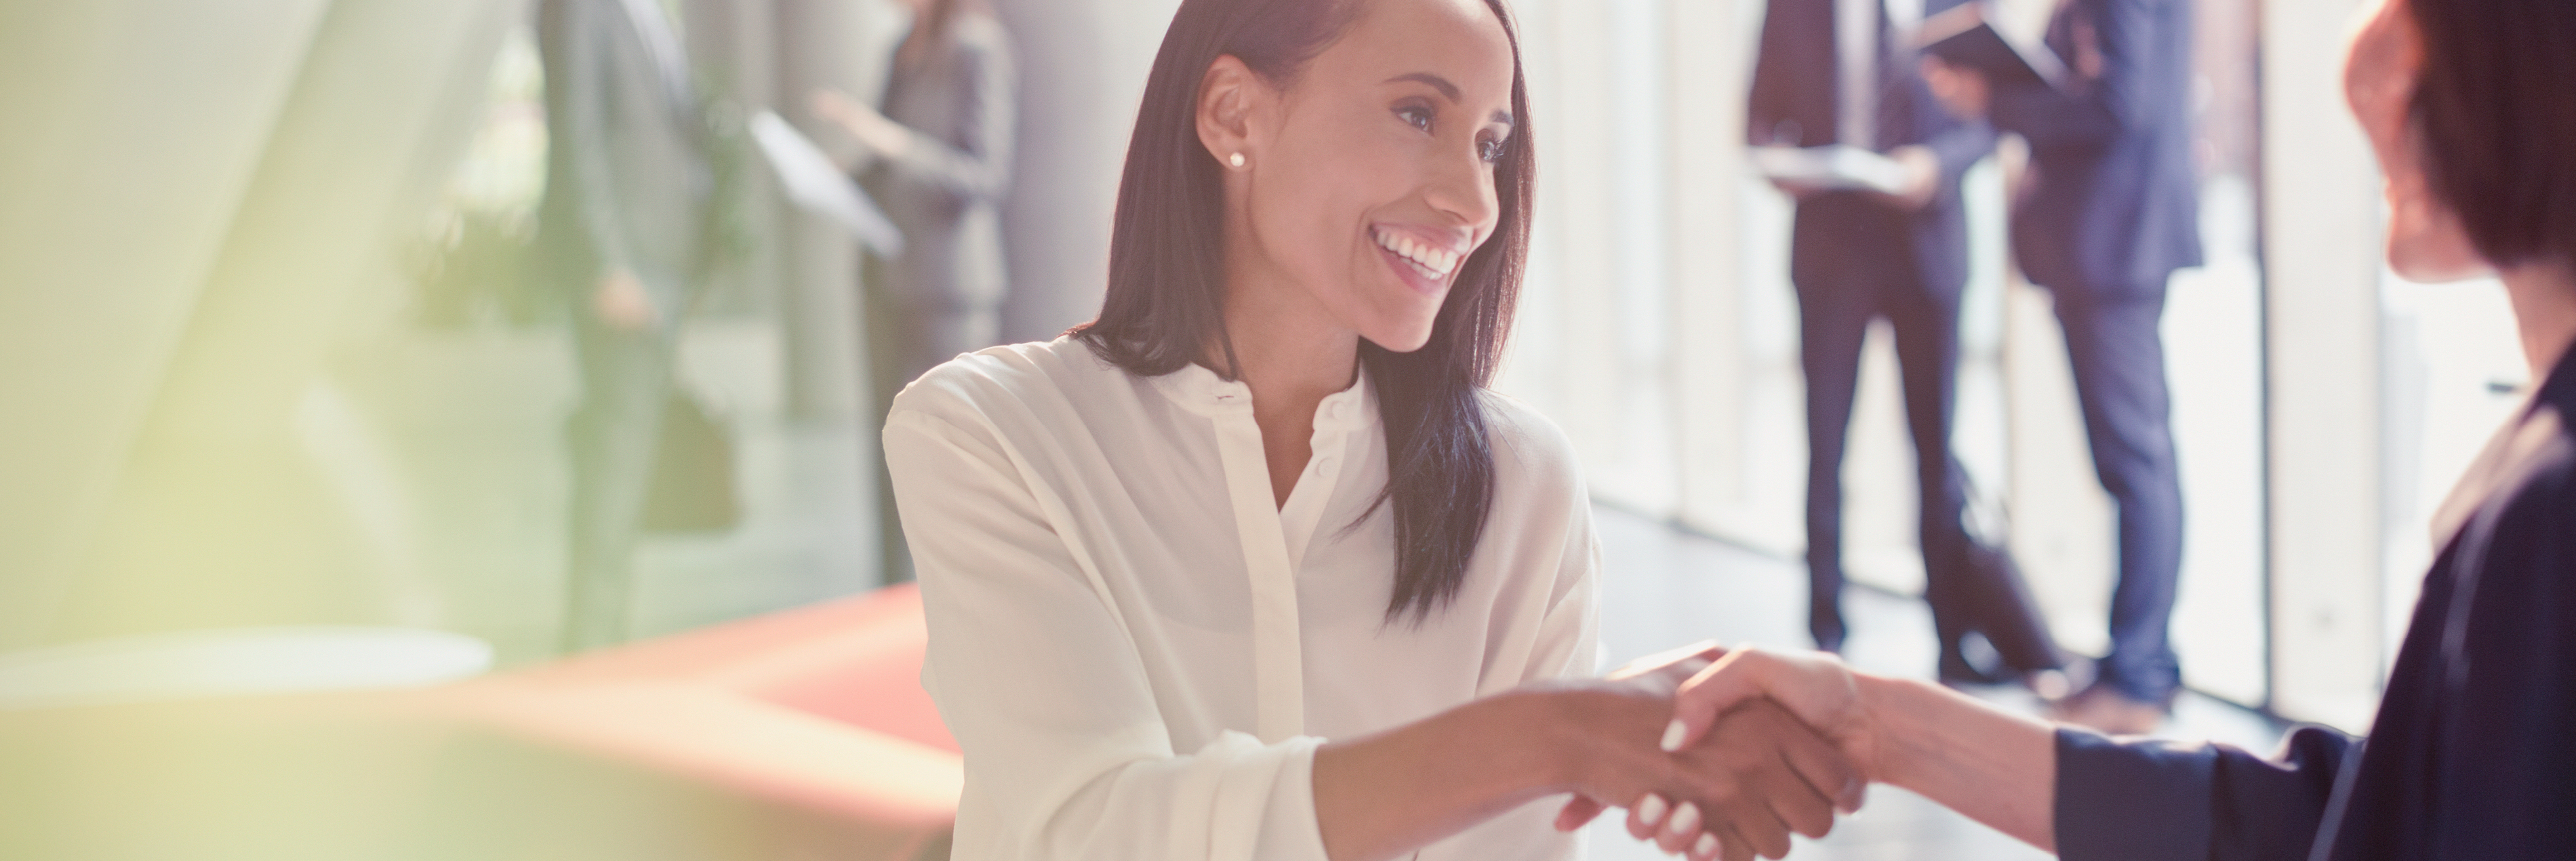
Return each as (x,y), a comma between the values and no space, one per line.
(2497,116)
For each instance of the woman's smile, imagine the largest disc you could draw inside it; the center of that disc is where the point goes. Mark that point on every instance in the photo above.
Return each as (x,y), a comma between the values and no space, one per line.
(1421,262)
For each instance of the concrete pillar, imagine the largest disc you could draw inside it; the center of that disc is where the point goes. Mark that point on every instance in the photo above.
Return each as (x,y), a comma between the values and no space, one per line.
(2321,275)
(835,43)
(1711,53)
(1082,73)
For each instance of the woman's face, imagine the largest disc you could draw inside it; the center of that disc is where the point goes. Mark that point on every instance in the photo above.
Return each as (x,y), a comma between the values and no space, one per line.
(1369,179)
(2425,240)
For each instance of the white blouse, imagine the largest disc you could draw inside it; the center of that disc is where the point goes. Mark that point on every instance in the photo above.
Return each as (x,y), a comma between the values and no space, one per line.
(1139,652)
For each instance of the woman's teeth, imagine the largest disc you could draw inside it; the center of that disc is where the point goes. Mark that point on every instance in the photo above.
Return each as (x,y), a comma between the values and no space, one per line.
(1437,261)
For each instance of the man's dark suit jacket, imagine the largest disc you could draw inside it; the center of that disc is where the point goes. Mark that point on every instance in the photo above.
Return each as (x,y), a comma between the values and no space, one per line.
(1793,103)
(627,178)
(2473,754)
(2116,208)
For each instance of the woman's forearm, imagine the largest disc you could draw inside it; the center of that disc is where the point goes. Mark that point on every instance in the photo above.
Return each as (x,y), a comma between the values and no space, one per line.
(1383,795)
(1994,766)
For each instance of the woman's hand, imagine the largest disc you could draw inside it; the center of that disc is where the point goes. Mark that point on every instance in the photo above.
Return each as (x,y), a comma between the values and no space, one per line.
(1961,90)
(1996,766)
(1816,687)
(1760,775)
(882,136)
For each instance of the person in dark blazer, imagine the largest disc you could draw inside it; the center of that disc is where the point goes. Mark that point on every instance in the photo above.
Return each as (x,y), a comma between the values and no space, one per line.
(2112,208)
(938,160)
(621,232)
(2473,751)
(1835,71)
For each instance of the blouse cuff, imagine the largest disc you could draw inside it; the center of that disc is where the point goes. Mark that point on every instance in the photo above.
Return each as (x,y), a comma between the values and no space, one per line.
(2138,799)
(1288,826)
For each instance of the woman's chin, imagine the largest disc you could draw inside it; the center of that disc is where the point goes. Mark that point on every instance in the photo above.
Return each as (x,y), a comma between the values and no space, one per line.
(2435,259)
(1401,339)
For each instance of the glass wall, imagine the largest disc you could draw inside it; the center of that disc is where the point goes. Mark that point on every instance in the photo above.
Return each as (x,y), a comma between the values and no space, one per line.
(1661,331)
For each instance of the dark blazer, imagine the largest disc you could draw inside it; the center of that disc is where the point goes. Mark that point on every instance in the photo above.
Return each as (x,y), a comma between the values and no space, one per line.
(1793,103)
(627,180)
(945,192)
(2116,207)
(2473,753)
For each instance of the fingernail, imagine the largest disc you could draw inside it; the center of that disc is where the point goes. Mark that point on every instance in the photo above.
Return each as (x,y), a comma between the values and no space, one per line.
(1651,810)
(1685,819)
(1706,847)
(1673,735)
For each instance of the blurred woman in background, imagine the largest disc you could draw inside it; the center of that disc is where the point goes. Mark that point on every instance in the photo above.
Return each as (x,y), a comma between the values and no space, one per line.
(938,159)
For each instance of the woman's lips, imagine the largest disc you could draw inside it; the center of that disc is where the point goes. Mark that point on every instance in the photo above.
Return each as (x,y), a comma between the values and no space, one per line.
(1422,265)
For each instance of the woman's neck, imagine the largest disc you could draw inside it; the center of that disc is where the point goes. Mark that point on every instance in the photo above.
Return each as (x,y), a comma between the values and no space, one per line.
(1287,348)
(1286,345)
(2544,309)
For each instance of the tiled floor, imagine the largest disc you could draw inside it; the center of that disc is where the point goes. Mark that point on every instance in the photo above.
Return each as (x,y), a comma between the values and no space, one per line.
(1665,588)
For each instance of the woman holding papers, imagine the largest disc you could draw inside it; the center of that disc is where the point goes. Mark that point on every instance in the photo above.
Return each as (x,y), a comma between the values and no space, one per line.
(938,162)
(2473,751)
(1253,565)
(2113,208)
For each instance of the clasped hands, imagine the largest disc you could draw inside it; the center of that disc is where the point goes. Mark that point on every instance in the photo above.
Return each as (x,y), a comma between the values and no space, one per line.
(1721,755)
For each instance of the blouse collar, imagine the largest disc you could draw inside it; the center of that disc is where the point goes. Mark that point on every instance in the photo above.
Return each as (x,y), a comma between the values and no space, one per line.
(1198,389)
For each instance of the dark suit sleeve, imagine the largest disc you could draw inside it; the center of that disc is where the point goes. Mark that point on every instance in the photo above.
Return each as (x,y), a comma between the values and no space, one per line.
(1776,81)
(978,165)
(586,94)
(1958,146)
(2148,800)
(2135,38)
(2504,785)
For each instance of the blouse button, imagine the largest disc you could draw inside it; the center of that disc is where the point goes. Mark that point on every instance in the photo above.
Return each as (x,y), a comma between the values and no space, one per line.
(1323,465)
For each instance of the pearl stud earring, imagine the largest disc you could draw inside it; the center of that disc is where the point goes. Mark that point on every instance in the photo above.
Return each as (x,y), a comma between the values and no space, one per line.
(1235,159)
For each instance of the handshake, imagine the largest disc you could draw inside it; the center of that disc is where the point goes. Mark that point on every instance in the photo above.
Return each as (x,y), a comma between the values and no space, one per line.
(1717,754)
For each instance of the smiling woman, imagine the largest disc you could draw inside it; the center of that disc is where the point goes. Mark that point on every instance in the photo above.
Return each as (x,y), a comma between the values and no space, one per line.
(1254,565)
(1369,202)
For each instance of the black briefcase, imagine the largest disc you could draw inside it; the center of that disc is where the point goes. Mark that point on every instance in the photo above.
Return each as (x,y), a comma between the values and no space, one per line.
(692,489)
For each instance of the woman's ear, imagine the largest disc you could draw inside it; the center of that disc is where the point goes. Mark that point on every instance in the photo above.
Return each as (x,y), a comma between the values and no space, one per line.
(1228,95)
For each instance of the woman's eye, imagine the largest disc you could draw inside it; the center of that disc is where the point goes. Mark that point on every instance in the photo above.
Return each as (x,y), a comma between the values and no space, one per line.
(1489,150)
(1419,118)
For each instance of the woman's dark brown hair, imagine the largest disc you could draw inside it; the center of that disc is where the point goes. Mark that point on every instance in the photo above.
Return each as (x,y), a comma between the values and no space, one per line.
(1165,307)
(2496,110)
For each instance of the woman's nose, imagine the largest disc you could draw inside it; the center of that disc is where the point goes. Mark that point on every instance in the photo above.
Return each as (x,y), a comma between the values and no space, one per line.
(1463,187)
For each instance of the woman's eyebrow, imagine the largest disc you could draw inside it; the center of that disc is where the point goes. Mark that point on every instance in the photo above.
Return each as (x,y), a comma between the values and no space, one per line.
(1447,90)
(1433,81)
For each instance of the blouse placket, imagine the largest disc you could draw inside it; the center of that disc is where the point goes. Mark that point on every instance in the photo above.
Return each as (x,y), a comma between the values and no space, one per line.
(1273,536)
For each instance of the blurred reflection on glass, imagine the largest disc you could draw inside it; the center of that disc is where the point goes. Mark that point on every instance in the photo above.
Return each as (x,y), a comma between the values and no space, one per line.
(620,237)
(938,158)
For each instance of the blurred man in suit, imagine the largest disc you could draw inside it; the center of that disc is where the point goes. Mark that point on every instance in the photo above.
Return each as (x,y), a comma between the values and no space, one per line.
(2112,209)
(1837,72)
(622,232)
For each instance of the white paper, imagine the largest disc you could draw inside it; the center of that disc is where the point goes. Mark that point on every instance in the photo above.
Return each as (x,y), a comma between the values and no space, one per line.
(1835,166)
(815,185)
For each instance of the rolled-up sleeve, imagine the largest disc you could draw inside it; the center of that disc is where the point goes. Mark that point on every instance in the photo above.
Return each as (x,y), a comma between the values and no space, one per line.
(1034,671)
(2143,799)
